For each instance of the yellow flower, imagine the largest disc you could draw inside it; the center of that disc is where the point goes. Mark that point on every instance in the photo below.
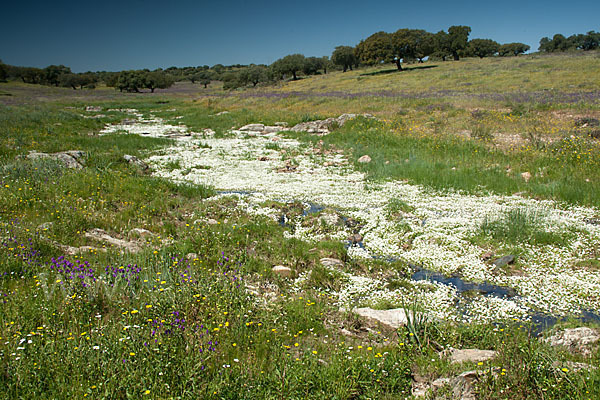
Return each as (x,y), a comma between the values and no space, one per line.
(132,354)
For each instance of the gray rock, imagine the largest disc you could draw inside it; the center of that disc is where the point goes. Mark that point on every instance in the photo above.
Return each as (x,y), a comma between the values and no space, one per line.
(393,318)
(573,366)
(470,355)
(323,127)
(272,129)
(212,221)
(503,261)
(133,160)
(577,339)
(364,159)
(102,236)
(93,108)
(282,271)
(70,159)
(128,121)
(282,124)
(331,262)
(463,385)
(222,113)
(252,128)
(140,233)
(355,238)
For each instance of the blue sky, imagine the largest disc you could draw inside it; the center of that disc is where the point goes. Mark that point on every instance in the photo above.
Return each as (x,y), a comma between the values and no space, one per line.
(115,35)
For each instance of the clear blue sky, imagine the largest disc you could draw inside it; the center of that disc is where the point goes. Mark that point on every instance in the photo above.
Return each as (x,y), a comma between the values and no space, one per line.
(114,35)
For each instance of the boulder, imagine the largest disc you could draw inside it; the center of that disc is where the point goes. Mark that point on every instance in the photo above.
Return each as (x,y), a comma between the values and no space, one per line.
(502,261)
(364,159)
(331,262)
(252,128)
(102,236)
(355,238)
(470,355)
(576,339)
(394,318)
(70,159)
(282,271)
(463,385)
(133,160)
(140,233)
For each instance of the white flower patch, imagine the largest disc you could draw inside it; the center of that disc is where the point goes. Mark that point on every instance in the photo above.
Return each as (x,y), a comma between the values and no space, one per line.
(435,234)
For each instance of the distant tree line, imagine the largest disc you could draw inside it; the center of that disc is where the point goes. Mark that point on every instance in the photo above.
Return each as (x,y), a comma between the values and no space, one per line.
(588,41)
(400,47)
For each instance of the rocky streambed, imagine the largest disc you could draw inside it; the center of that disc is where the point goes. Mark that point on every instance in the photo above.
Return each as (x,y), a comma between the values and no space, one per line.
(431,229)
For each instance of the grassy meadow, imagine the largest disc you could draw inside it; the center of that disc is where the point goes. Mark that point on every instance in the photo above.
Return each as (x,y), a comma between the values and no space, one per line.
(197,312)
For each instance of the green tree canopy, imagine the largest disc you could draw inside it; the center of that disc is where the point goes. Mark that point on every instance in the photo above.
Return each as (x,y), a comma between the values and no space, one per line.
(458,37)
(3,72)
(425,44)
(52,74)
(483,47)
(512,49)
(156,80)
(289,65)
(376,49)
(344,56)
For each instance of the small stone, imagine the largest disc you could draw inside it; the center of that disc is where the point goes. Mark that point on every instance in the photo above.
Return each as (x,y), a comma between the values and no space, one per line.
(331,262)
(252,128)
(141,233)
(133,160)
(212,221)
(503,261)
(191,256)
(93,108)
(487,256)
(470,355)
(355,238)
(526,176)
(394,318)
(282,271)
(364,159)
(222,113)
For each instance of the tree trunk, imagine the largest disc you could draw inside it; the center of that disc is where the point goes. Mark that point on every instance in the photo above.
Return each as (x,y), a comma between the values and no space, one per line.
(345,68)
(350,67)
(205,85)
(455,55)
(152,90)
(294,74)
(421,60)
(398,65)
(325,71)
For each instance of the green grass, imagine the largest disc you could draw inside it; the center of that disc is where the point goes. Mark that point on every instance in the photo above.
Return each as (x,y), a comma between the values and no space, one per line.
(520,226)
(100,339)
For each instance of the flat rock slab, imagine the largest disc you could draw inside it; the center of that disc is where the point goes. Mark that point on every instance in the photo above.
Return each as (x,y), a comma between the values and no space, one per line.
(470,355)
(578,339)
(501,262)
(282,271)
(70,159)
(394,318)
(331,262)
(103,236)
